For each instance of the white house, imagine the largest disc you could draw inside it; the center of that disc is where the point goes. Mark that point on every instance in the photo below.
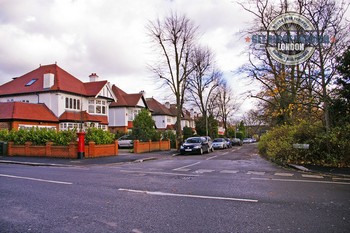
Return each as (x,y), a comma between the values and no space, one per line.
(74,104)
(123,112)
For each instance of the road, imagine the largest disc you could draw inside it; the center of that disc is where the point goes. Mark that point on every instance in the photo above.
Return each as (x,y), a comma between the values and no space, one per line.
(231,190)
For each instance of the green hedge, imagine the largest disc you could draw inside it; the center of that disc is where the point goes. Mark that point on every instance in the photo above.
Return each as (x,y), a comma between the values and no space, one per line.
(327,149)
(41,136)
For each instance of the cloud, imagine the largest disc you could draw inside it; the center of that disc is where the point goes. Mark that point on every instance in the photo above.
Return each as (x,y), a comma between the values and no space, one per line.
(107,37)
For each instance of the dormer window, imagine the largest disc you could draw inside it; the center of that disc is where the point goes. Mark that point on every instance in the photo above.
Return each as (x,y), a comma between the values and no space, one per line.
(31,82)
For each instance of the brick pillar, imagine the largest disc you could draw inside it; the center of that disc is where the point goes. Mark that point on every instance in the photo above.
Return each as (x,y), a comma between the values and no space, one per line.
(136,146)
(10,149)
(91,149)
(116,147)
(48,146)
(27,148)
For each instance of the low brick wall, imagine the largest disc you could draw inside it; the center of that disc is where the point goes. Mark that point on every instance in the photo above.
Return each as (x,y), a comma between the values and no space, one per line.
(69,152)
(141,147)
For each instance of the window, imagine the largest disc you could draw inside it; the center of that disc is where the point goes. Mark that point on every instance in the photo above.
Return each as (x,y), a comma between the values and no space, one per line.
(91,109)
(72,103)
(97,106)
(31,82)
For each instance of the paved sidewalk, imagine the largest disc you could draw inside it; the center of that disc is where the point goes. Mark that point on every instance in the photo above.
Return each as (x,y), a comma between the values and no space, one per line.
(123,157)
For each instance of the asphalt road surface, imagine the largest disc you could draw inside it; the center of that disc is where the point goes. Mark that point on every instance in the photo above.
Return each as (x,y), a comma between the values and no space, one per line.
(232,190)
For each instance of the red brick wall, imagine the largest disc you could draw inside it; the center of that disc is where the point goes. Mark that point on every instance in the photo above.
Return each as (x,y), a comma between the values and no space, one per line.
(141,147)
(69,152)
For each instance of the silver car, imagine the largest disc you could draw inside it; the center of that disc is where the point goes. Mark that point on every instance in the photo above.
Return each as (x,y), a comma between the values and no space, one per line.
(125,141)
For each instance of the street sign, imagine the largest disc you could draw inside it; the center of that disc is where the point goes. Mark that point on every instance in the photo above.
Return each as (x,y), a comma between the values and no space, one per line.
(301,146)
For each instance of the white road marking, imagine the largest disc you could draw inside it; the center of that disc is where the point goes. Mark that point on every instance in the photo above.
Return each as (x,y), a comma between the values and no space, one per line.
(301,181)
(203,171)
(284,174)
(229,171)
(183,170)
(158,173)
(255,173)
(211,157)
(35,179)
(179,168)
(188,195)
(225,153)
(312,176)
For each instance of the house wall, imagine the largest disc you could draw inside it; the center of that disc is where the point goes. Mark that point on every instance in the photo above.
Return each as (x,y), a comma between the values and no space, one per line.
(52,101)
(161,121)
(16,124)
(22,98)
(118,117)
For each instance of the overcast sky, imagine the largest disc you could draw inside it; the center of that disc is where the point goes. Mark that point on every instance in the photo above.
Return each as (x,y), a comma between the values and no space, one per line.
(108,37)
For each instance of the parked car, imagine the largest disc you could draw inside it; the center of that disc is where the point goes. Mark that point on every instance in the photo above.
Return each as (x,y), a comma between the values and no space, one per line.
(195,145)
(237,142)
(228,142)
(125,141)
(247,140)
(219,143)
(210,142)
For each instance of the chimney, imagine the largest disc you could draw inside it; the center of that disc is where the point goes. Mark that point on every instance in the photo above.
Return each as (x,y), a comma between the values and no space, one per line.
(49,80)
(192,112)
(167,105)
(143,93)
(93,77)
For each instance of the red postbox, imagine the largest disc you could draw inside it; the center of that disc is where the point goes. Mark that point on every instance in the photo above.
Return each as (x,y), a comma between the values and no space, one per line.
(81,145)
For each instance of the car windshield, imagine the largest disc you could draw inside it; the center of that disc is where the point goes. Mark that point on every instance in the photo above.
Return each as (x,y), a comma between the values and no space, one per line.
(193,140)
(218,140)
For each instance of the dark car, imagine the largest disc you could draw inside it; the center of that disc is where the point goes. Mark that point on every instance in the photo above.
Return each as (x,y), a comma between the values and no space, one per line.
(195,145)
(228,142)
(237,142)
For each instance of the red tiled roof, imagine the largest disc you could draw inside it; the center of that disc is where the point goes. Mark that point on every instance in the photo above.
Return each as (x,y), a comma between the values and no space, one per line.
(82,116)
(93,88)
(158,108)
(124,99)
(26,111)
(63,81)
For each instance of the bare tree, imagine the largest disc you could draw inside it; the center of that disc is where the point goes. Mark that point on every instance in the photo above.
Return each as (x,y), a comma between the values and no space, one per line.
(174,38)
(288,89)
(328,18)
(225,103)
(204,79)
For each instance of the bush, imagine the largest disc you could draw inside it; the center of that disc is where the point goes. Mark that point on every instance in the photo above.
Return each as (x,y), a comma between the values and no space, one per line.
(41,136)
(169,135)
(327,149)
(99,136)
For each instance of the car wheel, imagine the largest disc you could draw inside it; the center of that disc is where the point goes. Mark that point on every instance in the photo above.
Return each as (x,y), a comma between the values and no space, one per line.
(201,151)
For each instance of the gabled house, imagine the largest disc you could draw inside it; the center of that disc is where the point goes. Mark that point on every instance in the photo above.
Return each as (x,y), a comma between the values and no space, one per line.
(74,104)
(123,112)
(163,117)
(187,117)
